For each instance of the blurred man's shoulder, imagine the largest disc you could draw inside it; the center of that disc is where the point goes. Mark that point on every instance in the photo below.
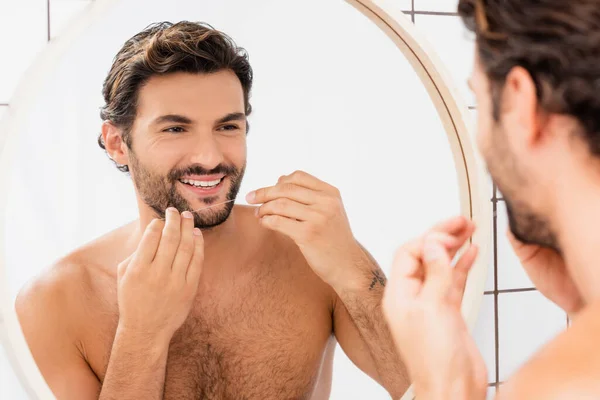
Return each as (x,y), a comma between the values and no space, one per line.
(566,368)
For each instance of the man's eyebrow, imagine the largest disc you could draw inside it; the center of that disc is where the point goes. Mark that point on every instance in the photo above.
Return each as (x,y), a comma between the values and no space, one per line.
(174,118)
(232,117)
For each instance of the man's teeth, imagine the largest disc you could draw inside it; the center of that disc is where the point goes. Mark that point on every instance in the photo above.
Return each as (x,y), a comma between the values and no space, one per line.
(201,184)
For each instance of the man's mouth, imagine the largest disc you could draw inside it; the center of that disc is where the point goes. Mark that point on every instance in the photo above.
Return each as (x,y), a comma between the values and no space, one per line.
(202,184)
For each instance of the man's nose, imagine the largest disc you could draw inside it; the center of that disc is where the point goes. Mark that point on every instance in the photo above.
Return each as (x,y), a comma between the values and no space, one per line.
(207,153)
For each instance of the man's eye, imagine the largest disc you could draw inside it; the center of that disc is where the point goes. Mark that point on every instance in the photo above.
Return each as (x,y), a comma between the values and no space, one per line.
(175,129)
(229,128)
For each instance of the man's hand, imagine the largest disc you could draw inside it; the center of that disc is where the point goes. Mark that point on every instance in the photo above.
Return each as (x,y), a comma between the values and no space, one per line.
(312,214)
(548,272)
(422,304)
(158,283)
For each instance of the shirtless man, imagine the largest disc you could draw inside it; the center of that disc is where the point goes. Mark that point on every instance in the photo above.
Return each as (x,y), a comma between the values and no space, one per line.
(537,83)
(248,308)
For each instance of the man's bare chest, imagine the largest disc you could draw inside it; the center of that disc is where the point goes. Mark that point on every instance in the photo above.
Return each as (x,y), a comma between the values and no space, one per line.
(240,360)
(250,345)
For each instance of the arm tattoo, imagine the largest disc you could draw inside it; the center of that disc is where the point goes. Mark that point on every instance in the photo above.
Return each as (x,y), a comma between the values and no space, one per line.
(377,277)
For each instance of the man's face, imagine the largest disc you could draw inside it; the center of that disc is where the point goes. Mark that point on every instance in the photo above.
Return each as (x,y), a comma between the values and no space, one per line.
(189,144)
(508,159)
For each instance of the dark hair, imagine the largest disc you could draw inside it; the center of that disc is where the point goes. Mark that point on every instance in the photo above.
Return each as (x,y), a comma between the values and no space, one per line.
(164,48)
(556,41)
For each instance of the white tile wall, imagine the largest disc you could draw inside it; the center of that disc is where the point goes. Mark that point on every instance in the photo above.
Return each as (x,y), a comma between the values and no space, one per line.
(10,388)
(24,31)
(490,283)
(62,11)
(526,321)
(472,125)
(485,335)
(26,20)
(454,46)
(405,5)
(436,5)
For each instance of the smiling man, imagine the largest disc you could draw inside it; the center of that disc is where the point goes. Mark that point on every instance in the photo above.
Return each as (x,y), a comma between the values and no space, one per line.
(225,302)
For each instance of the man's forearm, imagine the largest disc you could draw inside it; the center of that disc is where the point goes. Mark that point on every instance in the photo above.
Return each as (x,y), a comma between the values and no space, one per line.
(362,300)
(136,369)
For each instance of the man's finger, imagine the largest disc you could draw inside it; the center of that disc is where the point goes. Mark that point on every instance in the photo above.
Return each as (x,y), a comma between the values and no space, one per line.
(169,242)
(415,247)
(149,243)
(406,276)
(196,264)
(453,226)
(307,180)
(438,268)
(285,190)
(459,228)
(185,251)
(123,265)
(461,272)
(451,243)
(286,208)
(283,225)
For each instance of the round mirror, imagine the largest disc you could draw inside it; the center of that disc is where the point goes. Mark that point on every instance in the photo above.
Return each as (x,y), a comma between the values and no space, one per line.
(332,96)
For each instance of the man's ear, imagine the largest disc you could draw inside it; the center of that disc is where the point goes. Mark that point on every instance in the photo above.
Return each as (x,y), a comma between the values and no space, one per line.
(520,111)
(113,142)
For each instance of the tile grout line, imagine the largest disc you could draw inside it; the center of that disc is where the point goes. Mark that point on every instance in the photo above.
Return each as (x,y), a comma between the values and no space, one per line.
(412,9)
(48,14)
(438,13)
(504,291)
(496,327)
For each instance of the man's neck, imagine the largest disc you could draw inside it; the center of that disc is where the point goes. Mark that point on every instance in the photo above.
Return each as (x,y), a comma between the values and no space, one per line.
(577,223)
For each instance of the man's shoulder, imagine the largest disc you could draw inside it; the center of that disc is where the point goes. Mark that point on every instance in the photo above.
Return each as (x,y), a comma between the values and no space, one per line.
(566,368)
(75,276)
(57,287)
(65,288)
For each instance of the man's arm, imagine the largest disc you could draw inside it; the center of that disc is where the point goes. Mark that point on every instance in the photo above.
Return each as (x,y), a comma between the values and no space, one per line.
(136,369)
(311,213)
(360,327)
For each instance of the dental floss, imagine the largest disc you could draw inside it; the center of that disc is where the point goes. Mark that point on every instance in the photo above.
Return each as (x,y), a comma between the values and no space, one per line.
(214,205)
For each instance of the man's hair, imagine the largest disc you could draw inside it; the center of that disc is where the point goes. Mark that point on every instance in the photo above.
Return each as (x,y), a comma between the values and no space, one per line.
(165,48)
(556,41)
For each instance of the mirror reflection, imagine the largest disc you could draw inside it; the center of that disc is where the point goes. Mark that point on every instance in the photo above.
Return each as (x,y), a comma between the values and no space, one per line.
(204,203)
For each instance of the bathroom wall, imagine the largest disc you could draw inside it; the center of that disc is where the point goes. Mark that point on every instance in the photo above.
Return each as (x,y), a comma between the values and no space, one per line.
(515,319)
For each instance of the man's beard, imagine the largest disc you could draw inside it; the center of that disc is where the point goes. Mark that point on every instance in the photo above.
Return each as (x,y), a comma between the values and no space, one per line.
(160,192)
(530,228)
(526,225)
